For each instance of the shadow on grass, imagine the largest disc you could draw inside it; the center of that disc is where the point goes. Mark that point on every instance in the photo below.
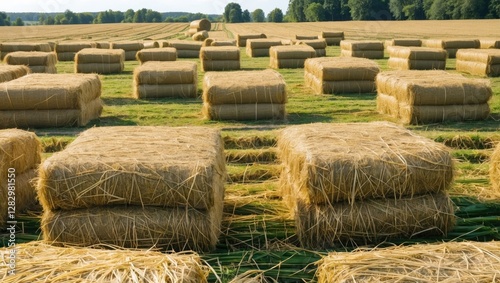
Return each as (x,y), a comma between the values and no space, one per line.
(305,118)
(114,121)
(354,96)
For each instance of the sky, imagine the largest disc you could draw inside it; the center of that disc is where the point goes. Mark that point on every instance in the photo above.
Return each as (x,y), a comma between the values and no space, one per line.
(192,6)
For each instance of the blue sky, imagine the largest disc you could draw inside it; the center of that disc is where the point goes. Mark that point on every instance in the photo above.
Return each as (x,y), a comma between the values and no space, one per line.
(193,6)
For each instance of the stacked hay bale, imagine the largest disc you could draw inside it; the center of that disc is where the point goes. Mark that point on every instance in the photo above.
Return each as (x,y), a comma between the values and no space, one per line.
(66,50)
(416,97)
(199,25)
(495,169)
(340,75)
(130,48)
(185,48)
(319,45)
(244,95)
(260,47)
(136,187)
(220,58)
(103,45)
(38,62)
(9,73)
(481,62)
(451,45)
(157,54)
(409,42)
(332,37)
(360,183)
(306,37)
(8,47)
(165,79)
(489,43)
(417,58)
(370,49)
(218,42)
(50,100)
(42,262)
(241,39)
(200,36)
(101,61)
(290,56)
(151,44)
(440,262)
(20,155)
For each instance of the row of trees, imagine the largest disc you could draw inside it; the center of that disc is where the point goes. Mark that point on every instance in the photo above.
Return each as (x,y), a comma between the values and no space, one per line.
(341,10)
(5,20)
(234,14)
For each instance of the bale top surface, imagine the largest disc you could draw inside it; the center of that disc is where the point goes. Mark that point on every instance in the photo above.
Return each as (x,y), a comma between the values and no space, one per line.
(164,66)
(417,53)
(243,79)
(31,54)
(362,45)
(51,82)
(11,72)
(99,51)
(39,262)
(431,78)
(19,149)
(342,63)
(158,50)
(342,68)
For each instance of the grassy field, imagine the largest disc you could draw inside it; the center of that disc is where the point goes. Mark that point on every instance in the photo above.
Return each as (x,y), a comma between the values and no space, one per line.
(257,231)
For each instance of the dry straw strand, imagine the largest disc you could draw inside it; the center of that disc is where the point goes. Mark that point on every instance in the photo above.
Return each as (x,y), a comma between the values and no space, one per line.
(9,72)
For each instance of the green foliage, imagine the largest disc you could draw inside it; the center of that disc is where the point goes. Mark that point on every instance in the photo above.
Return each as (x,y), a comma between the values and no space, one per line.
(18,22)
(437,10)
(4,19)
(315,12)
(275,16)
(360,9)
(233,13)
(258,16)
(245,16)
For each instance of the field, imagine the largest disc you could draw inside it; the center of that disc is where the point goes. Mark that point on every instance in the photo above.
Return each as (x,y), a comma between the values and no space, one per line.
(258,234)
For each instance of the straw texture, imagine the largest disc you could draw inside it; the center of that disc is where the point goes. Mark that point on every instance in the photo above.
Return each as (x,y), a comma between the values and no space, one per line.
(66,50)
(241,39)
(8,47)
(200,36)
(495,169)
(202,24)
(130,48)
(482,62)
(332,37)
(259,47)
(451,45)
(220,58)
(489,43)
(39,262)
(403,42)
(445,262)
(38,62)
(261,111)
(157,54)
(9,72)
(101,61)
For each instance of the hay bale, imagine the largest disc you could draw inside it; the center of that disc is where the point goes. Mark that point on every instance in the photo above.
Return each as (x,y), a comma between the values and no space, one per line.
(368,54)
(340,75)
(451,45)
(101,61)
(357,161)
(9,72)
(241,39)
(8,47)
(130,48)
(151,44)
(417,58)
(319,46)
(185,49)
(290,56)
(495,169)
(259,47)
(25,194)
(200,36)
(66,50)
(217,42)
(363,48)
(220,65)
(482,62)
(191,31)
(489,43)
(165,79)
(42,262)
(201,24)
(409,64)
(261,111)
(220,58)
(403,42)
(244,87)
(157,54)
(440,262)
(38,62)
(306,37)
(332,37)
(143,166)
(103,45)
(169,228)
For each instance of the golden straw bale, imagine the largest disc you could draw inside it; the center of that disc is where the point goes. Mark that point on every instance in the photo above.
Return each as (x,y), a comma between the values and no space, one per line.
(259,43)
(347,86)
(440,262)
(167,72)
(356,161)
(136,166)
(412,64)
(145,91)
(482,62)
(403,42)
(178,228)
(200,36)
(433,87)
(183,44)
(342,68)
(362,45)
(495,169)
(191,31)
(373,220)
(7,47)
(39,262)
(220,53)
(130,48)
(418,53)
(332,37)
(51,118)
(103,45)
(220,65)
(12,72)
(157,54)
(49,91)
(24,188)
(217,42)
(101,61)
(202,24)
(241,39)
(314,43)
(38,62)
(66,50)
(242,87)
(489,43)
(292,52)
(369,54)
(306,37)
(257,111)
(151,44)
(451,45)
(99,68)
(181,53)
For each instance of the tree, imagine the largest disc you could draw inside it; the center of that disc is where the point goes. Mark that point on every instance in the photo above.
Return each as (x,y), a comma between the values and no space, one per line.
(50,20)
(494,9)
(360,9)
(70,17)
(315,12)
(85,18)
(18,22)
(296,10)
(140,16)
(153,17)
(437,10)
(275,16)
(474,9)
(41,19)
(233,13)
(258,16)
(128,16)
(336,10)
(245,16)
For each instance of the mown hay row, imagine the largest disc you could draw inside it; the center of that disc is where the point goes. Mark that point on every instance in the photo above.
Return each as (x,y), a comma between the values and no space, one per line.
(332,37)
(495,169)
(129,166)
(374,220)
(41,262)
(8,47)
(260,47)
(441,262)
(482,62)
(177,228)
(38,62)
(244,87)
(9,72)
(355,161)
(49,91)
(260,111)
(157,54)
(241,39)
(101,61)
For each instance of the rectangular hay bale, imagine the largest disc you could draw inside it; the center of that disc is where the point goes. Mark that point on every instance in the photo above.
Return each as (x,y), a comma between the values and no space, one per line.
(342,68)
(38,62)
(257,111)
(12,72)
(241,39)
(482,62)
(157,54)
(347,86)
(489,43)
(158,73)
(101,61)
(220,65)
(410,64)
(368,54)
